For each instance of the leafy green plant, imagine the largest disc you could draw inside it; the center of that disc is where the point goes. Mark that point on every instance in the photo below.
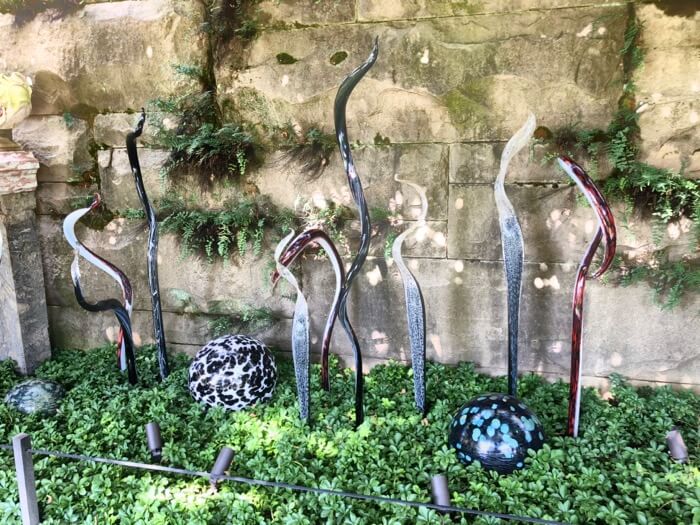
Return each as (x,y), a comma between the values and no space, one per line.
(617,471)
(308,146)
(331,218)
(228,19)
(239,224)
(246,319)
(670,280)
(131,213)
(201,140)
(668,195)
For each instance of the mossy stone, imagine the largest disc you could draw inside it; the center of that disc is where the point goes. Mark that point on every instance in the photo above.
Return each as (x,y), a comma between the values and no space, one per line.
(286,58)
(338,57)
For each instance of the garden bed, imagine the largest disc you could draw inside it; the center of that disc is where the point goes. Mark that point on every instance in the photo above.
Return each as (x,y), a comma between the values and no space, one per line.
(617,472)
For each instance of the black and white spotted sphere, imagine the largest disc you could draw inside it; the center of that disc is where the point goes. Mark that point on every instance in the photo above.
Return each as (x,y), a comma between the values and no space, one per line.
(497,430)
(234,372)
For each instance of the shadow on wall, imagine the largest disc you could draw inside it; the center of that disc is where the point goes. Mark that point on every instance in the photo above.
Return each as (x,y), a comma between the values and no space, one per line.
(684,8)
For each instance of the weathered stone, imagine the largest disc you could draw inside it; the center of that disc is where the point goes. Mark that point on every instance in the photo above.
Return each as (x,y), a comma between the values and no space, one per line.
(668,89)
(51,95)
(669,74)
(664,27)
(670,131)
(466,320)
(403,9)
(471,78)
(142,40)
(60,145)
(427,241)
(118,186)
(557,225)
(480,162)
(123,242)
(554,228)
(73,327)
(111,129)
(639,340)
(23,318)
(425,165)
(17,172)
(286,13)
(61,198)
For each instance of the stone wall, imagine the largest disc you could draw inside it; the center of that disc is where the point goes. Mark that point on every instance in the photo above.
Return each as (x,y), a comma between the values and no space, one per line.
(453,81)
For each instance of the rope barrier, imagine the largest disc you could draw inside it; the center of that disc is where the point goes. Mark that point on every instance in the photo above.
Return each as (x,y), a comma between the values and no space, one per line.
(286,486)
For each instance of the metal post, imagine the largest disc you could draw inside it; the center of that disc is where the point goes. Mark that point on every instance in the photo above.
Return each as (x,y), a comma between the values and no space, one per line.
(221,465)
(441,494)
(21,445)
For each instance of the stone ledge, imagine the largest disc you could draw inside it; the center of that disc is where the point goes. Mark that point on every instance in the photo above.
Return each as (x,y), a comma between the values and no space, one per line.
(371,10)
(17,172)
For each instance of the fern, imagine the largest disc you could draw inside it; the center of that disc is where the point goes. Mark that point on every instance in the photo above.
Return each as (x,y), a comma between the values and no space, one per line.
(212,232)
(670,280)
(201,139)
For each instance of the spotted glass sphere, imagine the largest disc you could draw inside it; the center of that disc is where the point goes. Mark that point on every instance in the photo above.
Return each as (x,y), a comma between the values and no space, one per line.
(35,396)
(233,372)
(497,430)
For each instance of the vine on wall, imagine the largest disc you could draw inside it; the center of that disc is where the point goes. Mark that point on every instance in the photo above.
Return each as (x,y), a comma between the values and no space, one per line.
(665,194)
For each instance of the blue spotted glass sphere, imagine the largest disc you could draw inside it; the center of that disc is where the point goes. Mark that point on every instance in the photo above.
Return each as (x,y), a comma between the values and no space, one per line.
(497,430)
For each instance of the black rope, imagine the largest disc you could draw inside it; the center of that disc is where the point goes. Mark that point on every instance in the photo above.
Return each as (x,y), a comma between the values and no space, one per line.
(287,486)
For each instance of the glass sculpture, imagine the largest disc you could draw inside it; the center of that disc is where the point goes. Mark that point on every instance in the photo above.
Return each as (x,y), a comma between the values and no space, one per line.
(415,307)
(233,372)
(122,310)
(295,248)
(606,231)
(159,332)
(498,430)
(35,396)
(358,196)
(300,333)
(513,247)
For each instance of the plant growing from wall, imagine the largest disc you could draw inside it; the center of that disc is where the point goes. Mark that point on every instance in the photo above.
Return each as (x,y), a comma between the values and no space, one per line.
(237,226)
(308,145)
(201,140)
(664,193)
(245,320)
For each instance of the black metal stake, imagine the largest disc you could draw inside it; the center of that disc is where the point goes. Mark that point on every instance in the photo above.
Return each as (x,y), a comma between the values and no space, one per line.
(155,441)
(221,465)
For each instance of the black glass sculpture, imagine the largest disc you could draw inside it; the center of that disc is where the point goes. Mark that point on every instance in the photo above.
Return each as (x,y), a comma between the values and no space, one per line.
(498,429)
(415,308)
(159,332)
(358,196)
(233,372)
(121,310)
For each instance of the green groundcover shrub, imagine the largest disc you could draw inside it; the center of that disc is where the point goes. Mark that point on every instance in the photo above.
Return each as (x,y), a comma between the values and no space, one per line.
(617,472)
